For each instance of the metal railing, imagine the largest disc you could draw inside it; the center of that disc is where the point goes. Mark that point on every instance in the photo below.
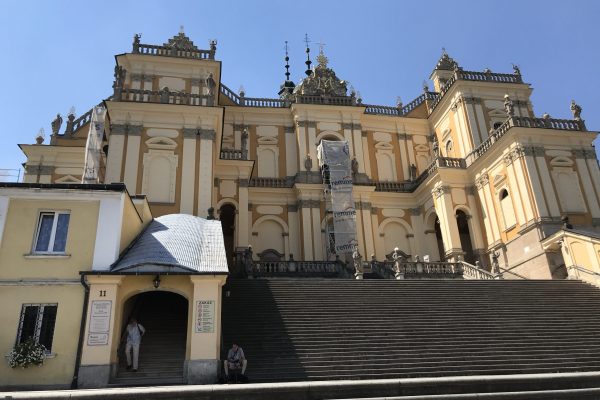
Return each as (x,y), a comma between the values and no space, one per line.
(10,175)
(584,274)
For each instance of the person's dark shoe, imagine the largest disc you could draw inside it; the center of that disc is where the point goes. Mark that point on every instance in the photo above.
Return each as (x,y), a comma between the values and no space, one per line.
(129,367)
(134,370)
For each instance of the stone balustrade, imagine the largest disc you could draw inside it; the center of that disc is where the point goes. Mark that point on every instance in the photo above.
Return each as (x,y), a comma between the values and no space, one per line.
(523,122)
(329,100)
(164,97)
(473,76)
(165,51)
(286,182)
(232,154)
(471,271)
(296,268)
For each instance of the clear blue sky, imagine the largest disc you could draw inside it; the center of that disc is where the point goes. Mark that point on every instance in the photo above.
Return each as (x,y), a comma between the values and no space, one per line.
(58,54)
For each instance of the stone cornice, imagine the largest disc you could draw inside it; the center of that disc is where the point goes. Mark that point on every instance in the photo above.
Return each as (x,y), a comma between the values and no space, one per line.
(309,203)
(208,134)
(190,133)
(39,169)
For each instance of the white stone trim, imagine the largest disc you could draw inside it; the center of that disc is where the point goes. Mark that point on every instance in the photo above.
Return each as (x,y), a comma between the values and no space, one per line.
(108,233)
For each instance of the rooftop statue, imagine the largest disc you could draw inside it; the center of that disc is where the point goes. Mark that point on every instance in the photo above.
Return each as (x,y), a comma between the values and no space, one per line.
(56,124)
(576,110)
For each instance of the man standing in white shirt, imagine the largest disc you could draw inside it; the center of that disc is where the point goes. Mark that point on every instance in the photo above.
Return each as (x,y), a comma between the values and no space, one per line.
(135,332)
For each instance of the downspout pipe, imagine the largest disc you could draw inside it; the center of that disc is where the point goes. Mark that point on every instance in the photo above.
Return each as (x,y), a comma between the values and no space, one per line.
(86,299)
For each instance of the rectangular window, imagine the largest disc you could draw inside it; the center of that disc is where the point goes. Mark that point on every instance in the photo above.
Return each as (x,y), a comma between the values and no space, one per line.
(37,322)
(51,234)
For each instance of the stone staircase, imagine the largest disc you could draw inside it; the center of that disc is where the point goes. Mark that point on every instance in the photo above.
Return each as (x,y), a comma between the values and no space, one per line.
(329,329)
(162,352)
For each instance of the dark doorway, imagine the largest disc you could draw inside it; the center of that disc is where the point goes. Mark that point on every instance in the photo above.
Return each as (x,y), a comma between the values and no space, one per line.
(227,217)
(439,239)
(465,236)
(164,315)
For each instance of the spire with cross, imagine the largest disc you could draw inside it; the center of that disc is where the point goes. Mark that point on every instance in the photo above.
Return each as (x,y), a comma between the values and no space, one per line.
(288,86)
(308,71)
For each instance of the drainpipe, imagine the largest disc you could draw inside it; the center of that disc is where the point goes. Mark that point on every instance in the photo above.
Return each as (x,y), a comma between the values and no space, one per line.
(86,299)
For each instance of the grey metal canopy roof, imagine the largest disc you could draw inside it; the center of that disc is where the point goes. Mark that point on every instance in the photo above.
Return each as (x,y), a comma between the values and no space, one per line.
(176,243)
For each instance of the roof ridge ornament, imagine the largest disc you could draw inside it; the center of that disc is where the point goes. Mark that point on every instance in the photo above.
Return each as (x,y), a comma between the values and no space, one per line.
(446,62)
(181,42)
(321,58)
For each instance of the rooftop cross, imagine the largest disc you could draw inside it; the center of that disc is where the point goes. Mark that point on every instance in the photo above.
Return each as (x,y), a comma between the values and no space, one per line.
(181,29)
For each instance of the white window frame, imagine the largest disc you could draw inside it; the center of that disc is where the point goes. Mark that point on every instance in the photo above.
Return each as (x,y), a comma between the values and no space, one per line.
(38,322)
(51,242)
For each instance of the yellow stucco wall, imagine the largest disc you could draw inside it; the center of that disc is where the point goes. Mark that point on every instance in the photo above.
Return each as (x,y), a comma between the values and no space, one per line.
(58,370)
(131,226)
(21,223)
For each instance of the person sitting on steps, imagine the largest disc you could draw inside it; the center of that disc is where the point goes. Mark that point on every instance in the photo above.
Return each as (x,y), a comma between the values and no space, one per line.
(235,362)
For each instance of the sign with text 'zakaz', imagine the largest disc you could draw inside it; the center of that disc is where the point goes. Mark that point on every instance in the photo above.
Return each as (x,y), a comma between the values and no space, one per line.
(205,316)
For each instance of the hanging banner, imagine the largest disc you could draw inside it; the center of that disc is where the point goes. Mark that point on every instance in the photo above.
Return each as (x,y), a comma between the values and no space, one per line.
(334,157)
(93,147)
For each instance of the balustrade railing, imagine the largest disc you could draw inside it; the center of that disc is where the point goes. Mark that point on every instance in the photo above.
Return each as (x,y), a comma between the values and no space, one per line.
(296,268)
(154,50)
(383,110)
(523,122)
(232,154)
(400,111)
(474,76)
(330,100)
(165,97)
(286,182)
(488,76)
(263,102)
(471,271)
(389,270)
(230,94)
(449,162)
(584,274)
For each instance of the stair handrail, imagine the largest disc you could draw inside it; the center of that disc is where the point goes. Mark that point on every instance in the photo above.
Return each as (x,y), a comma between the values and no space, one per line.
(471,271)
(574,273)
(508,271)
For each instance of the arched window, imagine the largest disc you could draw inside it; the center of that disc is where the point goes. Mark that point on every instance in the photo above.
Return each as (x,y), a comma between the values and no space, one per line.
(508,213)
(449,149)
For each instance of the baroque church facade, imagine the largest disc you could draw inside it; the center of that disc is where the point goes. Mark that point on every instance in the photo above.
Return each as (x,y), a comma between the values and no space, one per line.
(465,172)
(429,176)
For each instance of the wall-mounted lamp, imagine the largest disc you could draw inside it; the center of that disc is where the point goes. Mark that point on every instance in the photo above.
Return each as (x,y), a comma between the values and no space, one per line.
(156,281)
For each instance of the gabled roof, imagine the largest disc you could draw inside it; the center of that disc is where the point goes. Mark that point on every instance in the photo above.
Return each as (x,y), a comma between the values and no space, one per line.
(176,243)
